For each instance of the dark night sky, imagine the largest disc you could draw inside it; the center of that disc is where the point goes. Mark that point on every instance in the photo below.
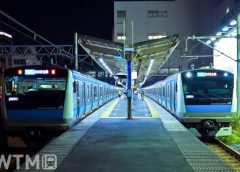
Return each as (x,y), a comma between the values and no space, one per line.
(58,20)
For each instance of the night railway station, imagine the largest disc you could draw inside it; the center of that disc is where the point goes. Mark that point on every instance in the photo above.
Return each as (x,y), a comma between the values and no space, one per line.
(159,92)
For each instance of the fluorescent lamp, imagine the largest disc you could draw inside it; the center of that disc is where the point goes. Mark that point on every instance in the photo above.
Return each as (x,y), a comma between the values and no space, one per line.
(208,42)
(105,66)
(213,39)
(225,29)
(233,22)
(6,34)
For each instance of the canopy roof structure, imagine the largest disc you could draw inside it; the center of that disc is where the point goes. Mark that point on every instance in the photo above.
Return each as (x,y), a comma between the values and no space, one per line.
(148,56)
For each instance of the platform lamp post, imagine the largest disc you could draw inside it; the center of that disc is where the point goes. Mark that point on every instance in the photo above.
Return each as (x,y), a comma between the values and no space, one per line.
(238,64)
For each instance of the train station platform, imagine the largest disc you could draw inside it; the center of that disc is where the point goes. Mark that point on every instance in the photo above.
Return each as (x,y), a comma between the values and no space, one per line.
(152,141)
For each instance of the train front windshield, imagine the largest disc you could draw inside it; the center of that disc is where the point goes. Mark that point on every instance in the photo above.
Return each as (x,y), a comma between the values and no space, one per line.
(207,87)
(34,88)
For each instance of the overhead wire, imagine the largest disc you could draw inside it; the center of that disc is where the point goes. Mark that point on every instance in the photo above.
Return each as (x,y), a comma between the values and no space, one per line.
(17,30)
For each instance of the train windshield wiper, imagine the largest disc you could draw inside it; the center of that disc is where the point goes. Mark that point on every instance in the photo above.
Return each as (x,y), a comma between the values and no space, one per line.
(217,96)
(205,96)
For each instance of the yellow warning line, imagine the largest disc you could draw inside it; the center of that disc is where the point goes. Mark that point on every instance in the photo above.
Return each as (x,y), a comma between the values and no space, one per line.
(134,117)
(110,109)
(152,109)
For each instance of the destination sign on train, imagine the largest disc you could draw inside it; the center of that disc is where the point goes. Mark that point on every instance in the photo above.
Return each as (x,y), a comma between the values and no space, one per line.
(36,72)
(206,74)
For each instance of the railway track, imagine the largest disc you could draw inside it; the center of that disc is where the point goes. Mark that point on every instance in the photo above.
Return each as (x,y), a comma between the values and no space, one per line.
(229,155)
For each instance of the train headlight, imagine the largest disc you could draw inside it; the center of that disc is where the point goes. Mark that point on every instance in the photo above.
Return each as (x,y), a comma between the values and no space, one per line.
(225,74)
(188,75)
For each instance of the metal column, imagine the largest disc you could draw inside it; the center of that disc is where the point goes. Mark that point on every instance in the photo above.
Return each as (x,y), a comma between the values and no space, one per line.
(129,88)
(76,51)
(238,64)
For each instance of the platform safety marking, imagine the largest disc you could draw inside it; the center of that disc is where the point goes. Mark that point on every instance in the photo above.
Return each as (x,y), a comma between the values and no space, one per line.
(152,109)
(109,110)
(134,117)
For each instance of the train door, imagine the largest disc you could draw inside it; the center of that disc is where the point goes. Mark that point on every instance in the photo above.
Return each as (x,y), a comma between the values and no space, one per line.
(91,96)
(163,96)
(175,96)
(82,98)
(168,96)
(78,99)
(104,94)
(171,95)
(100,95)
(95,102)
(87,98)
(84,102)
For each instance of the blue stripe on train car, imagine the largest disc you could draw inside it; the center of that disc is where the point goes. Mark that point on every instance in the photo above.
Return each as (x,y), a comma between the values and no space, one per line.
(88,106)
(28,114)
(208,108)
(95,103)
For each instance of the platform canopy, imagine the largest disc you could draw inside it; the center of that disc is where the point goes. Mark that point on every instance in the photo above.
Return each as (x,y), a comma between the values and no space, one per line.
(110,55)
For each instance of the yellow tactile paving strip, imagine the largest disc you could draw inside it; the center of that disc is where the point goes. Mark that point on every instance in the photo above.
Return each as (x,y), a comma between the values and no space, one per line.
(110,109)
(153,111)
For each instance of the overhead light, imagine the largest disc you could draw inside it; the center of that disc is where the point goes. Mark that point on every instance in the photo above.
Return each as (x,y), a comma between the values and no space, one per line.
(219,34)
(233,22)
(213,39)
(225,29)
(150,67)
(6,34)
(101,60)
(105,66)
(208,42)
(148,71)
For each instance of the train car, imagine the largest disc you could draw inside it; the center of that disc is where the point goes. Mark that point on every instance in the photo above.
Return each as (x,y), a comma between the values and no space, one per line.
(39,100)
(200,99)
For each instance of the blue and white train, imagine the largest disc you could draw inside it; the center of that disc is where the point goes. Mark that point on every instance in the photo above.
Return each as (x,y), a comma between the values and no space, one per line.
(46,99)
(200,98)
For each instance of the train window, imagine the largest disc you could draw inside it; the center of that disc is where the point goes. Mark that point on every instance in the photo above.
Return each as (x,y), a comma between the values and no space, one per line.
(74,87)
(95,92)
(88,92)
(81,88)
(20,85)
(30,92)
(208,90)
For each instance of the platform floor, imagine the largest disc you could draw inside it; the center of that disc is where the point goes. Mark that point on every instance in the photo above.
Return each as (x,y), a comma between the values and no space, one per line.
(119,145)
(152,141)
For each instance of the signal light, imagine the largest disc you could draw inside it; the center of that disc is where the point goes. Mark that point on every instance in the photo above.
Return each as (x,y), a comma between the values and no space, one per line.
(20,72)
(53,72)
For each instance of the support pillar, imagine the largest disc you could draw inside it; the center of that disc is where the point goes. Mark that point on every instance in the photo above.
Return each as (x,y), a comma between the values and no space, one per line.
(129,88)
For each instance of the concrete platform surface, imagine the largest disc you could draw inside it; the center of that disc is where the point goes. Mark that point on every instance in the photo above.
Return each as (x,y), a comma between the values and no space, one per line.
(120,145)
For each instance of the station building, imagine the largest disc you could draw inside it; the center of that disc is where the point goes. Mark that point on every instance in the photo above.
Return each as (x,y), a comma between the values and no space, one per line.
(157,19)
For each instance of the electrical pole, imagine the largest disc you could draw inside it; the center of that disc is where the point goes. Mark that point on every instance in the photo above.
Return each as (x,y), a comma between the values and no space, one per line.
(76,51)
